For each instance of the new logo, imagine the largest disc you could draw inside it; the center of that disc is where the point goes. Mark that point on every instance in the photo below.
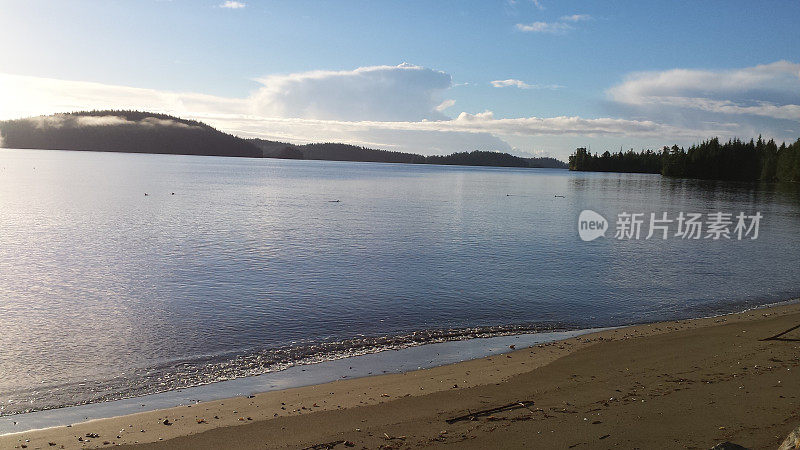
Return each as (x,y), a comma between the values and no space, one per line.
(591,225)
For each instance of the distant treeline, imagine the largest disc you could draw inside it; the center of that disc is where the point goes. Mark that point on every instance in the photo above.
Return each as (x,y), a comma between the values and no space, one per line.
(333,152)
(734,160)
(145,132)
(122,131)
(346,152)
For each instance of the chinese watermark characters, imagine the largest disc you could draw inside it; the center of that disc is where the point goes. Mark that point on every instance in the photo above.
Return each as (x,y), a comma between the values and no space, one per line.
(715,226)
(635,226)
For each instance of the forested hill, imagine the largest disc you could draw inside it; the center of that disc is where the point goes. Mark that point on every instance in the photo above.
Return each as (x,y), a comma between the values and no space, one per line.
(122,131)
(346,152)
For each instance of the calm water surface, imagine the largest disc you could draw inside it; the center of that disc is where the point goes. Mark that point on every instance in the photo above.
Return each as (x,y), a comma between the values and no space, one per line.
(251,266)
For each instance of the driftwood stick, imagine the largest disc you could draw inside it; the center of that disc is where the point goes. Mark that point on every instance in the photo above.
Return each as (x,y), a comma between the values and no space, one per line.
(325,446)
(777,336)
(486,412)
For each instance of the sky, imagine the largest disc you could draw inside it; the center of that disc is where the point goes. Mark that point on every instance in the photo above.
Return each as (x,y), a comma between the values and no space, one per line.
(529,77)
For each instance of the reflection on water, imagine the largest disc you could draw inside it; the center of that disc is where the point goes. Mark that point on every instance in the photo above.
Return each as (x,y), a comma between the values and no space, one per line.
(250,266)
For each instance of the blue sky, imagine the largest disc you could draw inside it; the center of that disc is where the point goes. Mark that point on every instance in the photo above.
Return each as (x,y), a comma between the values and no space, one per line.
(626,73)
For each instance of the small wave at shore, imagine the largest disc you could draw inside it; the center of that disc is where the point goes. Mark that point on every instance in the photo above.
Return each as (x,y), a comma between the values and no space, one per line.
(208,369)
(211,369)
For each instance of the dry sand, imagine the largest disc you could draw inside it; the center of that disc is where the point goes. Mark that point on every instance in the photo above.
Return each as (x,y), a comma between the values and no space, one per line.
(685,384)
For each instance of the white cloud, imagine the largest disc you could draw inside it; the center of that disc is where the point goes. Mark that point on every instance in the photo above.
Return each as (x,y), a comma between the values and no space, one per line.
(445,104)
(576,18)
(560,27)
(233,5)
(403,92)
(511,82)
(544,27)
(769,90)
(31,96)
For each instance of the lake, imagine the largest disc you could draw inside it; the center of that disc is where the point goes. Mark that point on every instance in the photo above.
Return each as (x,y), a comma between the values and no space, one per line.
(129,274)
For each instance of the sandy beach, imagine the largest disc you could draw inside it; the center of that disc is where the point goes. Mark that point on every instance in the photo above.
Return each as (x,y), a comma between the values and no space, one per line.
(684,384)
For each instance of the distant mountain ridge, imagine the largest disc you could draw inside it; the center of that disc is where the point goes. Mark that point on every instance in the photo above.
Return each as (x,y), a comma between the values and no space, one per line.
(145,132)
(345,152)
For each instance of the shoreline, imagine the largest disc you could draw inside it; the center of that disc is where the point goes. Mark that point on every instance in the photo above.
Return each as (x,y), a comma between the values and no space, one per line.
(449,384)
(385,361)
(475,343)
(287,159)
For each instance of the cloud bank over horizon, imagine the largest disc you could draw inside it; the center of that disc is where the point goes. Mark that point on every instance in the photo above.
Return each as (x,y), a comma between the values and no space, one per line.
(402,108)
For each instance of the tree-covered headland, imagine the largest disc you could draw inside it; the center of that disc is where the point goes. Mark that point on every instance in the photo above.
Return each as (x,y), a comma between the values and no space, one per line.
(755,160)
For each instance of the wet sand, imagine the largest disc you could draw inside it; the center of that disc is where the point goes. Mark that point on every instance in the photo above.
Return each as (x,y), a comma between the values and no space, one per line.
(685,384)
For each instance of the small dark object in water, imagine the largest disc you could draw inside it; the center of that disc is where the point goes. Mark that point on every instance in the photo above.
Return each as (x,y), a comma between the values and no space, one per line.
(334,201)
(558,196)
(173,193)
(146,194)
